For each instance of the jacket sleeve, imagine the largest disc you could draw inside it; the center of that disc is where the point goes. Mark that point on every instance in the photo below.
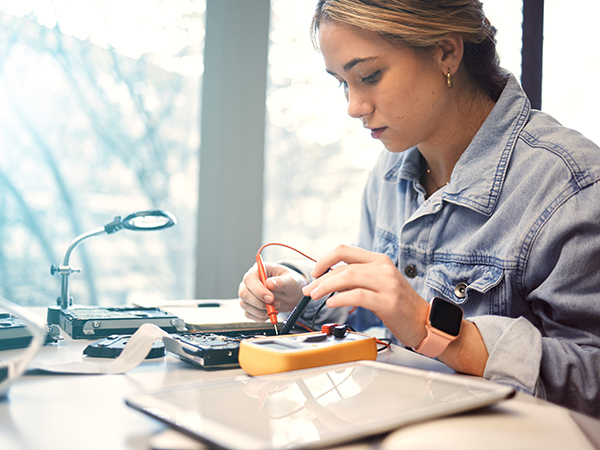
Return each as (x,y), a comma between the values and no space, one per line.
(557,358)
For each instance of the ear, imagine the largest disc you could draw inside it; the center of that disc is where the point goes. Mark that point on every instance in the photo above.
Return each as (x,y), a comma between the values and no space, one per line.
(450,53)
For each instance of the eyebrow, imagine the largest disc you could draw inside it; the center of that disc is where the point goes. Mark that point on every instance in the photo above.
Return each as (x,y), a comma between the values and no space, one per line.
(354,62)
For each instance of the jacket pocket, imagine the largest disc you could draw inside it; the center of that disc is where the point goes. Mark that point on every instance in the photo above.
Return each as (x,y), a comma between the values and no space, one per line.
(386,243)
(462,282)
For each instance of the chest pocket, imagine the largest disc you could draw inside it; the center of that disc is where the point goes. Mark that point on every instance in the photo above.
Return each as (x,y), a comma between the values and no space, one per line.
(386,243)
(463,283)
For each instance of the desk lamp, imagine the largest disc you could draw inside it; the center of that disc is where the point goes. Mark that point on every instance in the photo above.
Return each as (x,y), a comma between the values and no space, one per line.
(140,221)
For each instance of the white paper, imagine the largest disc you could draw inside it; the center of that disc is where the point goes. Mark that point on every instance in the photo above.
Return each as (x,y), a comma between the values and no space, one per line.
(134,352)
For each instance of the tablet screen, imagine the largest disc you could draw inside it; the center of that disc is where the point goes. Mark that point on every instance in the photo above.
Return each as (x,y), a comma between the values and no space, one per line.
(315,407)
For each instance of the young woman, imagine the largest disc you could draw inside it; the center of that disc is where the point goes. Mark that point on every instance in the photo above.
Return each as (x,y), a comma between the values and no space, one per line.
(478,202)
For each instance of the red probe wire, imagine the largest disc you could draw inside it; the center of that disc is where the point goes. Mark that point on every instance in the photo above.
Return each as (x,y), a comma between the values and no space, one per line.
(262,274)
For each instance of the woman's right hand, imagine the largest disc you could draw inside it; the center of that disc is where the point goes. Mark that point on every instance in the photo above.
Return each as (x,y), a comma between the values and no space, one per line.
(283,291)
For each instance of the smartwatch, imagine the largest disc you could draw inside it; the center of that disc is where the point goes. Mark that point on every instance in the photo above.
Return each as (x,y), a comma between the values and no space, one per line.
(443,326)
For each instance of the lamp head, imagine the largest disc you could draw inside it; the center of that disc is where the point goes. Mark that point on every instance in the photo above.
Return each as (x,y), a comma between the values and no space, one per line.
(149,220)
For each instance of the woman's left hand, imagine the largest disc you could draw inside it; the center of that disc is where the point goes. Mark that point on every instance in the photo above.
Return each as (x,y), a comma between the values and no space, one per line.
(372,281)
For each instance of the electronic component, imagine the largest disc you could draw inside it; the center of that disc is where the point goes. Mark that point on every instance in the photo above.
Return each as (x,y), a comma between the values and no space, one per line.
(210,350)
(283,353)
(90,323)
(112,346)
(15,334)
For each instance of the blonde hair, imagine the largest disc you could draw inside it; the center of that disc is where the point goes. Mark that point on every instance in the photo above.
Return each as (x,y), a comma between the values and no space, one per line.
(421,25)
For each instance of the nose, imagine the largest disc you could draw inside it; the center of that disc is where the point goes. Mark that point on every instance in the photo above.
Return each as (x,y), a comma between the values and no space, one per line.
(358,104)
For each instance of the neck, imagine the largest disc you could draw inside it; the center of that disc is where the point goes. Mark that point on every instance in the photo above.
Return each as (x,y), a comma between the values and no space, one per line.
(441,157)
(429,181)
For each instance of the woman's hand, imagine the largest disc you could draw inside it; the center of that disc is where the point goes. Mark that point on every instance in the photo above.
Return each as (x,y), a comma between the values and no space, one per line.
(372,281)
(283,291)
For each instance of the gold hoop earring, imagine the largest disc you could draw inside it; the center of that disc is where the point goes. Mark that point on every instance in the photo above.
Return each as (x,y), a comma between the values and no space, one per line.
(449,82)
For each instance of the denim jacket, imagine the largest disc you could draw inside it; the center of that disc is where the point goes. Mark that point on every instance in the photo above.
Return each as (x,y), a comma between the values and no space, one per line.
(514,239)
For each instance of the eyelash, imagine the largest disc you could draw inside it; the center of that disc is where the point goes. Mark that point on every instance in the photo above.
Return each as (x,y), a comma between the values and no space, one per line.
(371,79)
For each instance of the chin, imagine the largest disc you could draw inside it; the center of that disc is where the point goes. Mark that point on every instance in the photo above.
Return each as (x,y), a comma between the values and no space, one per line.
(395,148)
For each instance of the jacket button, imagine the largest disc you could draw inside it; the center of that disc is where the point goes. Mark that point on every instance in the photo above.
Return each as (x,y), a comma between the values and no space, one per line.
(410,271)
(460,290)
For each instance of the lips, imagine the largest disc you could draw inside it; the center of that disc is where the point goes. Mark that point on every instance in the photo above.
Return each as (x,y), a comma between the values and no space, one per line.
(377,132)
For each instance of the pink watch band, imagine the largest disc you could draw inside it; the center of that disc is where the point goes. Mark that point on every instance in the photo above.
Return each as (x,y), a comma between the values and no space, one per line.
(433,344)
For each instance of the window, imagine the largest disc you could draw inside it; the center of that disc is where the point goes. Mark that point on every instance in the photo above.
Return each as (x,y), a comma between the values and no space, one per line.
(570,68)
(99,117)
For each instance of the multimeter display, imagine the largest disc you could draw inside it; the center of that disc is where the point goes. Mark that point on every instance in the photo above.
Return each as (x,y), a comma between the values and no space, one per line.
(266,355)
(276,346)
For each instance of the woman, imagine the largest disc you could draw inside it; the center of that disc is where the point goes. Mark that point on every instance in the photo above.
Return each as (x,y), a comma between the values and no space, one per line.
(479,201)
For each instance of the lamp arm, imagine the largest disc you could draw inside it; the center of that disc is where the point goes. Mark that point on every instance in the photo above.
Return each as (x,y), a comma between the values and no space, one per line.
(65,270)
(78,240)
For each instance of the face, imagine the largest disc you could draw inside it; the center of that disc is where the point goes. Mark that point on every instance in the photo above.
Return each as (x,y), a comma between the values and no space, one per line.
(399,96)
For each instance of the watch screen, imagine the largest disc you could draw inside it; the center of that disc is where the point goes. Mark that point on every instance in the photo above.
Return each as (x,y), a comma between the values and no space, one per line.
(445,316)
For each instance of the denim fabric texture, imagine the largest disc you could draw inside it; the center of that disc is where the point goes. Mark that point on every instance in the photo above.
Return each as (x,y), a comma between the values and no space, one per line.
(514,239)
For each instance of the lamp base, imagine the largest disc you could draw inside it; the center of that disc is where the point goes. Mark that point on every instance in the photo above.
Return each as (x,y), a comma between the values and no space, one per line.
(53,315)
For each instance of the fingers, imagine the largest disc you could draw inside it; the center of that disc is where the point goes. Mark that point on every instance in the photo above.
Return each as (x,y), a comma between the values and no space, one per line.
(255,308)
(282,283)
(367,274)
(342,253)
(370,280)
(254,296)
(337,280)
(350,298)
(282,291)
(251,287)
(253,313)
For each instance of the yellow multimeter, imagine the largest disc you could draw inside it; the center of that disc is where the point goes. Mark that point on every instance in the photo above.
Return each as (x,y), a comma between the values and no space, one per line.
(275,354)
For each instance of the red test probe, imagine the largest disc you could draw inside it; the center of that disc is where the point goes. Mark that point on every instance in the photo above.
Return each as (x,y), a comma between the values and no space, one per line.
(262,274)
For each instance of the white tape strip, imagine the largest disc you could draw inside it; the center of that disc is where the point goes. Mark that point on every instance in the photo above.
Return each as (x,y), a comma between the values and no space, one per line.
(134,352)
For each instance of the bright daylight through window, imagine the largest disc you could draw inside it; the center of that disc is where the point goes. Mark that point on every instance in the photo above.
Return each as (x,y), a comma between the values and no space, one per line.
(569,90)
(99,113)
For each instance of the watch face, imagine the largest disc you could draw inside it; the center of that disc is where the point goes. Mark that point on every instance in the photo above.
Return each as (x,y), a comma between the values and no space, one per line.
(445,316)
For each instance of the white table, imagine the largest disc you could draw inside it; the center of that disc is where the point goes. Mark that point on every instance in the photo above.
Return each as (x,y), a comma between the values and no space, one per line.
(63,412)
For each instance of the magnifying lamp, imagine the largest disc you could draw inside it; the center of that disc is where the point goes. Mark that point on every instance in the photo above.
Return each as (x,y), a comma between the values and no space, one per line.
(141,221)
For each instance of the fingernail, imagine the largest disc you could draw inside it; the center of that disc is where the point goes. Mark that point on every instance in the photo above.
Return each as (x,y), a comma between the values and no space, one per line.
(268,298)
(306,290)
(274,283)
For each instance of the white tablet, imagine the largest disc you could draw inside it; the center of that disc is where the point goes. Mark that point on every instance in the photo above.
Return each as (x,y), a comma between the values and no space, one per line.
(315,407)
